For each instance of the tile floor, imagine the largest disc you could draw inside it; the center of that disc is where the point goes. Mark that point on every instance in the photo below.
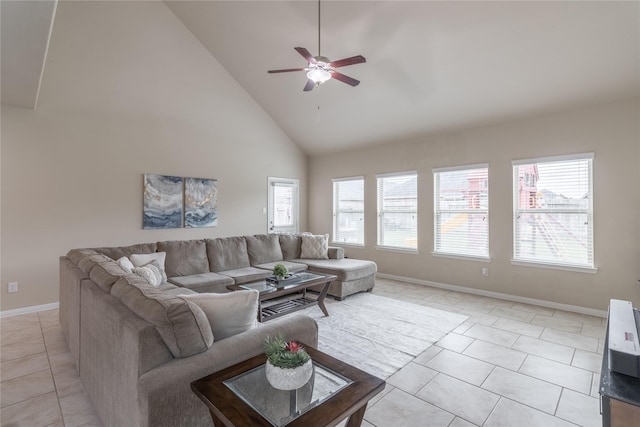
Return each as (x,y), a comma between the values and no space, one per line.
(510,364)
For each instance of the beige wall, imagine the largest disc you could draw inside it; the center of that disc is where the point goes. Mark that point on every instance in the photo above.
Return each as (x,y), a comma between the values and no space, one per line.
(612,132)
(127,90)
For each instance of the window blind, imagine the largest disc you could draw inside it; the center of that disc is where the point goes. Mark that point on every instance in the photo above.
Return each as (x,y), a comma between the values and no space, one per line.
(461,211)
(553,210)
(348,210)
(398,210)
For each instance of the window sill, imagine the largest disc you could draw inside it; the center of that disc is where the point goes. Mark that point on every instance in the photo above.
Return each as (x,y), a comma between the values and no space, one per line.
(462,257)
(351,245)
(565,267)
(397,249)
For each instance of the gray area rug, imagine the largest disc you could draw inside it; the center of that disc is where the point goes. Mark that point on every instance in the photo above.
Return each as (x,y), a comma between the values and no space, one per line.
(379,335)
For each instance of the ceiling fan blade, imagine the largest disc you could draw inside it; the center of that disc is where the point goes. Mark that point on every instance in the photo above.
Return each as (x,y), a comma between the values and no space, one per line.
(304,52)
(348,61)
(286,70)
(309,86)
(345,79)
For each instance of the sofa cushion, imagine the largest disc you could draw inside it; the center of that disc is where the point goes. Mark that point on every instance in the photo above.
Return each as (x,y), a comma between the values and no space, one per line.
(177,291)
(293,267)
(89,261)
(202,282)
(227,253)
(75,255)
(263,248)
(314,246)
(346,269)
(246,275)
(105,274)
(119,252)
(184,257)
(290,244)
(228,314)
(182,325)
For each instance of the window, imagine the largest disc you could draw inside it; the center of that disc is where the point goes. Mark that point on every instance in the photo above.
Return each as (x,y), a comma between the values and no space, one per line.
(398,210)
(348,210)
(283,205)
(461,211)
(553,211)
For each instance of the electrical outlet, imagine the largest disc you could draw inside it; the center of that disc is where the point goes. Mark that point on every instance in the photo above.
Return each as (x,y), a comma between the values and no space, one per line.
(485,271)
(12,287)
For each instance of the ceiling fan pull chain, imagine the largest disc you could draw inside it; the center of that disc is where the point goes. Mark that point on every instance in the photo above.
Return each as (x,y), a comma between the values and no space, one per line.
(319,51)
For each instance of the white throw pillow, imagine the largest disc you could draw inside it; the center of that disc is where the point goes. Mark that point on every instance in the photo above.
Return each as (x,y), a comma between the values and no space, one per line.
(140,260)
(126,264)
(151,273)
(228,314)
(315,246)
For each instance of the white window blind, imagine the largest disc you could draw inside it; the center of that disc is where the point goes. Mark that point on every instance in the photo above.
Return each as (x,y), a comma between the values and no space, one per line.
(398,210)
(461,211)
(348,210)
(553,211)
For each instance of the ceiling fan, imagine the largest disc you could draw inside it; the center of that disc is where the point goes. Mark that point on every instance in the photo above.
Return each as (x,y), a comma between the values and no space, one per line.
(321,68)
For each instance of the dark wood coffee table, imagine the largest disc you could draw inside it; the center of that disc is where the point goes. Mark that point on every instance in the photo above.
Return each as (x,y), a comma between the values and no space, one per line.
(241,396)
(301,282)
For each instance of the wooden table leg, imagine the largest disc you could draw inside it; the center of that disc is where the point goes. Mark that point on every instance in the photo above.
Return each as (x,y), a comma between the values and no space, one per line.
(217,422)
(356,418)
(321,298)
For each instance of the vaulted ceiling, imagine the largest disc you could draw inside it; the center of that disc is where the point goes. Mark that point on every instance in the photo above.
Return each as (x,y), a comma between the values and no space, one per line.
(432,66)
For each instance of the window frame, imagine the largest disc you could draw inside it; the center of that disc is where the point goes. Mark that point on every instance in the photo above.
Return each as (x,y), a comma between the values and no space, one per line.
(437,211)
(380,212)
(518,260)
(337,210)
(295,208)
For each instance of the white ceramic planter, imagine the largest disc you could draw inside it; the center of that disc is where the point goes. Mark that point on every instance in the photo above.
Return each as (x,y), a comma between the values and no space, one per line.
(288,378)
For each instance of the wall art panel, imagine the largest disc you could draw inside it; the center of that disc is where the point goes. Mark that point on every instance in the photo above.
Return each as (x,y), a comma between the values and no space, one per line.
(162,202)
(200,202)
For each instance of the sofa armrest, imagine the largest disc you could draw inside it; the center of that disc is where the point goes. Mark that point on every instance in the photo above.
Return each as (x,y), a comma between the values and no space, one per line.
(335,252)
(169,386)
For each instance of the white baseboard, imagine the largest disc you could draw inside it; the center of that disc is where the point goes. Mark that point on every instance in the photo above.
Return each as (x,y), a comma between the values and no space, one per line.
(508,297)
(27,310)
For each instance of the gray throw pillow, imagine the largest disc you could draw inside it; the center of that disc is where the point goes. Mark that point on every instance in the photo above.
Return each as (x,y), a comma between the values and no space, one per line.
(228,314)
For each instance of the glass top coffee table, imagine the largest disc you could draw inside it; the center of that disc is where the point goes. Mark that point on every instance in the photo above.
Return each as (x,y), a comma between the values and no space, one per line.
(297,284)
(241,395)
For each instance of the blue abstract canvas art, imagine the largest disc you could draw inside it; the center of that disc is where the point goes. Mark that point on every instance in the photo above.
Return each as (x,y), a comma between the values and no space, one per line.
(162,202)
(200,202)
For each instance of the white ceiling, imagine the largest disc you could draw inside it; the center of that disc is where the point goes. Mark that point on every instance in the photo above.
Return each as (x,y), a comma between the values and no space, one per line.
(432,67)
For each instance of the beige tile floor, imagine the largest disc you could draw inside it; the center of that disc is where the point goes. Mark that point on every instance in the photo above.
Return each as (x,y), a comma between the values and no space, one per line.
(510,364)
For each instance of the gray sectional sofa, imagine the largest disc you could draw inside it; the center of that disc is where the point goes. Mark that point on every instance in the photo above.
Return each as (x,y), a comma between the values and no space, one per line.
(138,347)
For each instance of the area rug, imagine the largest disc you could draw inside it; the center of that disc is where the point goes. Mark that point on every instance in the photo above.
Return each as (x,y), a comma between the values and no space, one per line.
(379,335)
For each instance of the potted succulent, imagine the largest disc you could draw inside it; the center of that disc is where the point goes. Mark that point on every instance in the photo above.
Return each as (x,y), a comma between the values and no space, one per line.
(280,271)
(288,366)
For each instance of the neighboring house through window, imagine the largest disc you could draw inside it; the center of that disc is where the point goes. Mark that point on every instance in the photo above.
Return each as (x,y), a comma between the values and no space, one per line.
(553,212)
(398,211)
(461,211)
(348,211)
(283,205)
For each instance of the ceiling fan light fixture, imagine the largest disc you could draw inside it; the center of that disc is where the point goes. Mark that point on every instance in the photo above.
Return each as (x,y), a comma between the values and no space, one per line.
(318,75)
